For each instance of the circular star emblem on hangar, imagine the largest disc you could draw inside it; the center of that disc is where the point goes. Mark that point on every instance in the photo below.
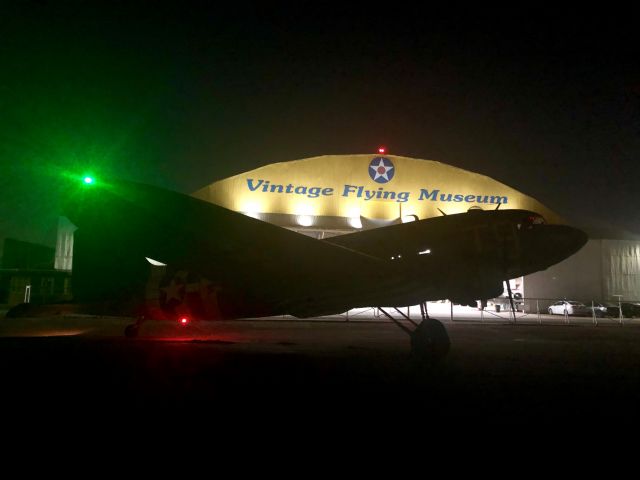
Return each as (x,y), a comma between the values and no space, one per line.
(381,170)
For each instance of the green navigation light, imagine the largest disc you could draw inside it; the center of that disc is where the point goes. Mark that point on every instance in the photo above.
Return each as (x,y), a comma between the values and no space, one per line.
(88,180)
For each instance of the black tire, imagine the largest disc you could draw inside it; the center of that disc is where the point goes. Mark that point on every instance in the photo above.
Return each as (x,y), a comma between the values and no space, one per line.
(430,341)
(550,311)
(131,331)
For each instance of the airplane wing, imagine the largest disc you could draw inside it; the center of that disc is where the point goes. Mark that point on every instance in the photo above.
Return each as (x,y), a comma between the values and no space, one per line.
(405,238)
(470,253)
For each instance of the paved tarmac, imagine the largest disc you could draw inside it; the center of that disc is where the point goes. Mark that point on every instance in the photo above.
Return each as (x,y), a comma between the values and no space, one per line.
(496,372)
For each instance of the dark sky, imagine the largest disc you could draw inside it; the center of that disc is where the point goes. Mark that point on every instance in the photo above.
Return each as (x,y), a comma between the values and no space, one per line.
(180,95)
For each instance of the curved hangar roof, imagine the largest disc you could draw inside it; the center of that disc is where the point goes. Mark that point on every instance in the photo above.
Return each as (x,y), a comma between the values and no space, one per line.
(379,187)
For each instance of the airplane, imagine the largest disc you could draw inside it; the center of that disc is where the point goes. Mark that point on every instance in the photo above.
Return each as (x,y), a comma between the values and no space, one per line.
(152,253)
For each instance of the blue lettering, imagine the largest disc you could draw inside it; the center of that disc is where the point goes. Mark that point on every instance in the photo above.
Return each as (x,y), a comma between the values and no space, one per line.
(425,195)
(348,189)
(250,184)
(314,192)
(403,197)
(501,200)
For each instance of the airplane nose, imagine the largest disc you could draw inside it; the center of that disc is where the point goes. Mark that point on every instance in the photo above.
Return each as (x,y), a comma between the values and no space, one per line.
(551,244)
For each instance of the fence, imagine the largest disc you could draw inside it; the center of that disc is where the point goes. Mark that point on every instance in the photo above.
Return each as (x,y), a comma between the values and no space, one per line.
(527,310)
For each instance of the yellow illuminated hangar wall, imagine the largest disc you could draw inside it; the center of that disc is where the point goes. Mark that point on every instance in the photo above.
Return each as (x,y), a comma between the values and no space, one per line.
(372,186)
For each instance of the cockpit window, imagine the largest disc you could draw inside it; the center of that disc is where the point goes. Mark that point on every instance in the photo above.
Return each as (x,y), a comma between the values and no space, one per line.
(530,220)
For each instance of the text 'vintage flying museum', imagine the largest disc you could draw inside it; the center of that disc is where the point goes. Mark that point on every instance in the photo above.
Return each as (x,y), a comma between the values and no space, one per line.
(340,193)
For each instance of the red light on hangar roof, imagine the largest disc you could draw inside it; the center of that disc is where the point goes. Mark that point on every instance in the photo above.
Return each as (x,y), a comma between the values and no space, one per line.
(184,320)
(382,150)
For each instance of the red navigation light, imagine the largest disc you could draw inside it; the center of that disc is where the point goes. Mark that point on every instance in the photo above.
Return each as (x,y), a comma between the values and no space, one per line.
(184,320)
(382,150)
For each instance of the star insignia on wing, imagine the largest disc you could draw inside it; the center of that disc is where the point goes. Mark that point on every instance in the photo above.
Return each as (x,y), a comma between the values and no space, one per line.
(173,291)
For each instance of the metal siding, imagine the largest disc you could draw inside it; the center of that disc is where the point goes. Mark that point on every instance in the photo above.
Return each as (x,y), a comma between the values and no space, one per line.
(576,278)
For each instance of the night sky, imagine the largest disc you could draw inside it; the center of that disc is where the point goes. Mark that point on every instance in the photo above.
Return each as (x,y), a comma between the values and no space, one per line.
(180,95)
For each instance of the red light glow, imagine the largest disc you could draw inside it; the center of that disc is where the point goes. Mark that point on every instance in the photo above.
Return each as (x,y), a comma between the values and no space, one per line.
(184,320)
(382,150)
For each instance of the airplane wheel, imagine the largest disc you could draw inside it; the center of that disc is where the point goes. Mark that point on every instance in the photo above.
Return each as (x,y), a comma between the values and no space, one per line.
(430,341)
(131,331)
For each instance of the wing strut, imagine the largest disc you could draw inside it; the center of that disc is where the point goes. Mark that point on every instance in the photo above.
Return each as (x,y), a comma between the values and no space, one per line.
(397,322)
(423,311)
(513,309)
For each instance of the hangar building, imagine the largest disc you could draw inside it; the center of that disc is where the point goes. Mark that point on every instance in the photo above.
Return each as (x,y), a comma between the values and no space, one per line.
(337,194)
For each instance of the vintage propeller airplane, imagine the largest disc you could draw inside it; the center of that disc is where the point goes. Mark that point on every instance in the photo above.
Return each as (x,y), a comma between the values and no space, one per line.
(154,253)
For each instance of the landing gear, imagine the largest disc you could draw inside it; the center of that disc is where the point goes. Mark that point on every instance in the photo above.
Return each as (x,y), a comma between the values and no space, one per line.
(131,331)
(429,339)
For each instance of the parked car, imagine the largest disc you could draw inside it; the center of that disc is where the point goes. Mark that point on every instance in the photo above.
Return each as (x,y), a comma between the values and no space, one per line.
(613,310)
(599,309)
(571,308)
(629,309)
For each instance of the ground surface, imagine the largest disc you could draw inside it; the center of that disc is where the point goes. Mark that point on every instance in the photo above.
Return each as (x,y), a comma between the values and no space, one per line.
(283,368)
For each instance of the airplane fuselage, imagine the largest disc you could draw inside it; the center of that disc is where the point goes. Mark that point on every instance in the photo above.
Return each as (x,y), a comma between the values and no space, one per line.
(222,264)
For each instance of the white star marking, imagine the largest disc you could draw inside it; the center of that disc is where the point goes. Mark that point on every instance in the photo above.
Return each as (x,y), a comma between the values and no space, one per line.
(376,168)
(173,291)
